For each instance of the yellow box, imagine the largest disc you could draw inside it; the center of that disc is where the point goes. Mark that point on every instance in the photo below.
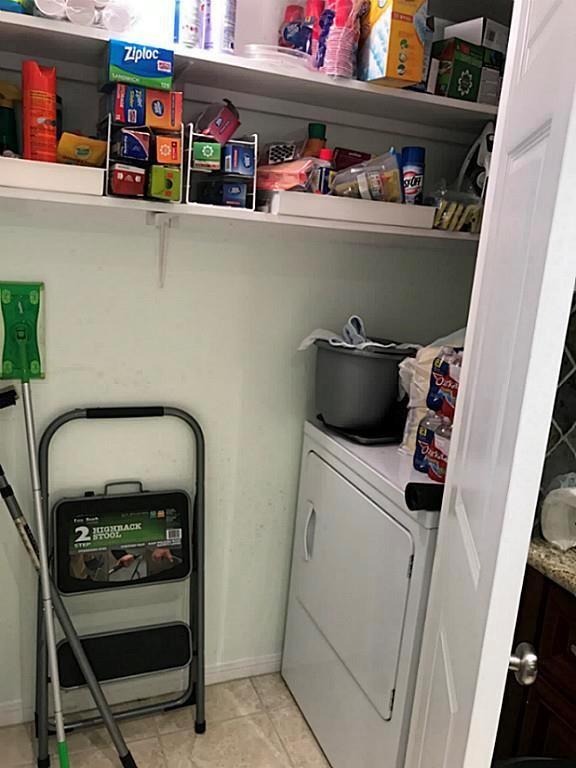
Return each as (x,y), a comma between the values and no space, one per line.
(392,42)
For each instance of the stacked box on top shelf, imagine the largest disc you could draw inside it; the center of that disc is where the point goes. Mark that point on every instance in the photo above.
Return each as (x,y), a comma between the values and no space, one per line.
(221,175)
(144,130)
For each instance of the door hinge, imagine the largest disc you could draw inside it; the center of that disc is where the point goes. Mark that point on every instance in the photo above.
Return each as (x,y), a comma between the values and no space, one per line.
(410,566)
(392,697)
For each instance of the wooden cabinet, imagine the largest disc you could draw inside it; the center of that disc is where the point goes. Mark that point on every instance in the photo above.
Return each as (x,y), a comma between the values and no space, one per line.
(549,723)
(541,720)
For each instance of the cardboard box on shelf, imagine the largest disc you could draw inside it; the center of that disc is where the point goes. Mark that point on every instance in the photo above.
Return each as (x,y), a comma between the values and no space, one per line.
(228,193)
(126,104)
(481,31)
(458,66)
(143,65)
(491,79)
(435,27)
(164,110)
(128,144)
(207,155)
(168,150)
(127,181)
(392,43)
(164,183)
(239,159)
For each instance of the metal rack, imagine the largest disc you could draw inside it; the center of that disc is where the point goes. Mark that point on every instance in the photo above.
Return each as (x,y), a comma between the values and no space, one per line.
(106,129)
(193,173)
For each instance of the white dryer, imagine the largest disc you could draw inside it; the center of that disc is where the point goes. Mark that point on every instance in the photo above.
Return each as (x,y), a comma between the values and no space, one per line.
(359,586)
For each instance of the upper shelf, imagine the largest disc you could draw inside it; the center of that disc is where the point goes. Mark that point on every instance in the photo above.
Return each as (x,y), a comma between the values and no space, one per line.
(62,41)
(51,205)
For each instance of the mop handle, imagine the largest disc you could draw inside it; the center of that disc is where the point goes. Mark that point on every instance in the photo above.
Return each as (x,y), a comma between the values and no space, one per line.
(19,520)
(11,502)
(63,756)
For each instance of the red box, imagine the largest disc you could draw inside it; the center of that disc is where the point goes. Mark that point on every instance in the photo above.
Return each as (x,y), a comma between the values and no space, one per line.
(127,180)
(220,121)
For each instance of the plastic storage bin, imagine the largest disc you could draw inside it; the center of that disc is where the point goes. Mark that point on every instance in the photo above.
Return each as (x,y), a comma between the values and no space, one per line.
(355,389)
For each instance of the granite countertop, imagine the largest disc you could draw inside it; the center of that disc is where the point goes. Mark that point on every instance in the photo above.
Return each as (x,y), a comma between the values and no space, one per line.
(552,562)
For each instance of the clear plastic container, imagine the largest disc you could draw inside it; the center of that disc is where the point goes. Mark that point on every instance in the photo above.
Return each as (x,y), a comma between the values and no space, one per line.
(274,57)
(50,9)
(116,17)
(81,12)
(377,179)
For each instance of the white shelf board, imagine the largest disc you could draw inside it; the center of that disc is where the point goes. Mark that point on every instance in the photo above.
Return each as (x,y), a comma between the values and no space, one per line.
(62,41)
(118,208)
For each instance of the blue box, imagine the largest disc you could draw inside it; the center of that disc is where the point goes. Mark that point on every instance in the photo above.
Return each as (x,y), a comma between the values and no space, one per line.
(234,194)
(238,159)
(230,193)
(143,65)
(12,5)
(128,144)
(126,104)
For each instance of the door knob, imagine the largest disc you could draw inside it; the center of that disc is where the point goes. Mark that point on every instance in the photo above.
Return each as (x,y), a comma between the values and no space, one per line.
(524,664)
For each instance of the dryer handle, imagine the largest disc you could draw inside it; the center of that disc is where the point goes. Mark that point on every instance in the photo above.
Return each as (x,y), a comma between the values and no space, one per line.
(309,531)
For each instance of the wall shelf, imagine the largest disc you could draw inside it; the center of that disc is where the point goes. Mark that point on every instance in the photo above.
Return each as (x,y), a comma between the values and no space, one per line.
(62,41)
(118,209)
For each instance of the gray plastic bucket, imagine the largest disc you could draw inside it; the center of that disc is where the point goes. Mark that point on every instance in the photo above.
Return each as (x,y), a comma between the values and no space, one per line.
(355,389)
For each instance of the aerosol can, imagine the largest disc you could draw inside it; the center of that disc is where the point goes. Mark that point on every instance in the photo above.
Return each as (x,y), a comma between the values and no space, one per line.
(189,23)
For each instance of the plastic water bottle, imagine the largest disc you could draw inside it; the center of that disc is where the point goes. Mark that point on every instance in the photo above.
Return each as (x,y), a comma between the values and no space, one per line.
(424,436)
(439,450)
(413,166)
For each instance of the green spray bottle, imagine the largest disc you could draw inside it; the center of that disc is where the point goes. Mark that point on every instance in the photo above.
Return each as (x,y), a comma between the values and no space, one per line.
(9,94)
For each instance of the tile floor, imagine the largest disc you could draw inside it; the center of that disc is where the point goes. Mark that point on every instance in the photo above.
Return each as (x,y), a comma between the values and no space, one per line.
(251,724)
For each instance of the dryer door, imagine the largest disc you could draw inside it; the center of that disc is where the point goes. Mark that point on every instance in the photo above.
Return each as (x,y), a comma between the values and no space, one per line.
(353,578)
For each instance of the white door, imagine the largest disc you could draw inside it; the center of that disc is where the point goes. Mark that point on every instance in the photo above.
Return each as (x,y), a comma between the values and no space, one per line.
(520,306)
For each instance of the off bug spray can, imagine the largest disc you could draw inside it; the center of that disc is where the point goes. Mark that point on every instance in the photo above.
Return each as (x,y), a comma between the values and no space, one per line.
(413,165)
(220,25)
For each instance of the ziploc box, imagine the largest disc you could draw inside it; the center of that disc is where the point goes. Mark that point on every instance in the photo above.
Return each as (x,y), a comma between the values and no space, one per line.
(142,65)
(392,42)
(16,6)
(164,110)
(126,104)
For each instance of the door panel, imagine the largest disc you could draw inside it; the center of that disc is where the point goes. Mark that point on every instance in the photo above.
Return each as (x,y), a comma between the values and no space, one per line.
(353,580)
(519,313)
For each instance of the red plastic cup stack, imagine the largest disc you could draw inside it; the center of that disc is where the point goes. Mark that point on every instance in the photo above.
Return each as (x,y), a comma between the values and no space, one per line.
(342,41)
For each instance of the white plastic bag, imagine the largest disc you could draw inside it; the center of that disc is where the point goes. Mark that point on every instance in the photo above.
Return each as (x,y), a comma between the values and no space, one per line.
(558,517)
(415,382)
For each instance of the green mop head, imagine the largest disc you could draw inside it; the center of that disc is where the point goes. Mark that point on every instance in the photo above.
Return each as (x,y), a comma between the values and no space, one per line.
(21,331)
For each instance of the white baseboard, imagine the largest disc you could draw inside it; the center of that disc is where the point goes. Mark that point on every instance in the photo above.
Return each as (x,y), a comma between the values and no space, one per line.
(236,670)
(15,712)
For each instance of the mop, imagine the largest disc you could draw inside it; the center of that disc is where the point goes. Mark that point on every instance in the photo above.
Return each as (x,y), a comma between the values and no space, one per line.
(21,305)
